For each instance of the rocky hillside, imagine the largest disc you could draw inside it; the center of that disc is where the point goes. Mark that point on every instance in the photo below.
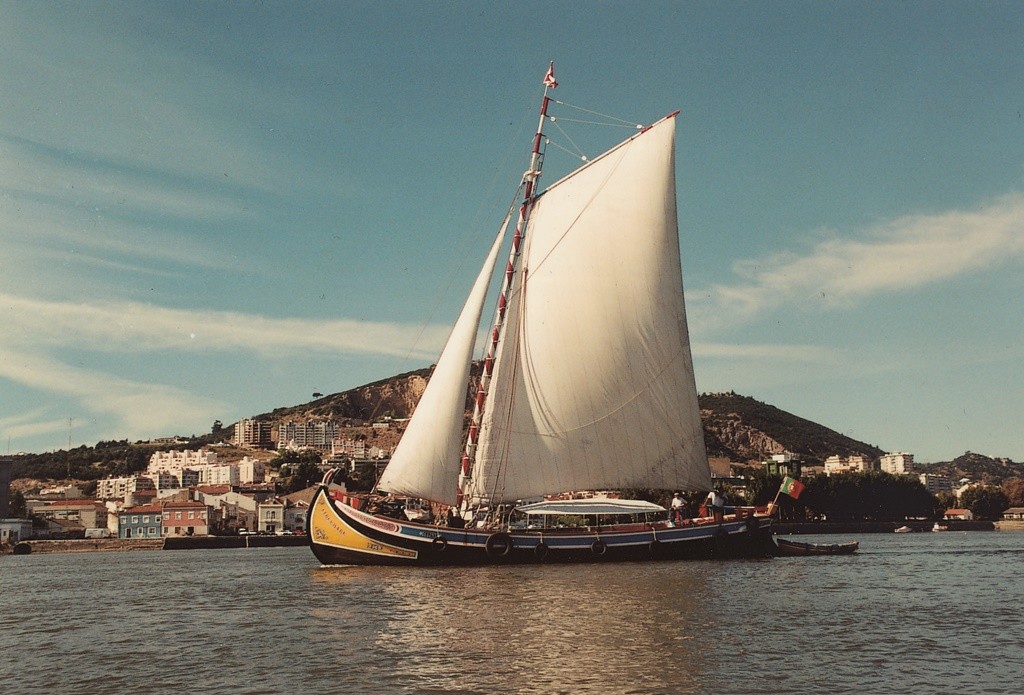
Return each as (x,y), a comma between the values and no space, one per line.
(736,427)
(743,429)
(978,468)
(395,397)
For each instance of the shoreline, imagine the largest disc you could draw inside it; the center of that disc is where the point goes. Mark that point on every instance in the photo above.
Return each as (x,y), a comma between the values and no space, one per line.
(796,528)
(90,545)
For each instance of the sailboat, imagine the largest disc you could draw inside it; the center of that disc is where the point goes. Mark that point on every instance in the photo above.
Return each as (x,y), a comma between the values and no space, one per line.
(587,385)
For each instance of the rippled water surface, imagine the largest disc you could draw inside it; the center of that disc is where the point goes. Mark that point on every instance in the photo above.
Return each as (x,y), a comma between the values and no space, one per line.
(914,613)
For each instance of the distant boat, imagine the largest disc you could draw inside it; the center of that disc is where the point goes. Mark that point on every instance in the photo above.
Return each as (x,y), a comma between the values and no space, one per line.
(787,547)
(904,529)
(587,384)
(940,527)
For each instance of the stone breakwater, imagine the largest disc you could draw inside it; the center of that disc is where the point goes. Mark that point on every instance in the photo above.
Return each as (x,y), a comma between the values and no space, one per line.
(86,545)
(168,543)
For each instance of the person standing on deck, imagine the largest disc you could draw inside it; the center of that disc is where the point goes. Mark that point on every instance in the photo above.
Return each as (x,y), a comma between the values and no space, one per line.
(678,508)
(716,504)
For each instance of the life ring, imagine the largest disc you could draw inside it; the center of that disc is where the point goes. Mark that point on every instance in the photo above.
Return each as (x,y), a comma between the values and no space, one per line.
(598,547)
(498,545)
(440,543)
(541,550)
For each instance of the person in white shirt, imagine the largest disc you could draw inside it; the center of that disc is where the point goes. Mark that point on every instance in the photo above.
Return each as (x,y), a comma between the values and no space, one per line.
(716,504)
(678,508)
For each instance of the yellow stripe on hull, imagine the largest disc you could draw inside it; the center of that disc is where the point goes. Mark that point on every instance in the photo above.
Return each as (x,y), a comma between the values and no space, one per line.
(327,527)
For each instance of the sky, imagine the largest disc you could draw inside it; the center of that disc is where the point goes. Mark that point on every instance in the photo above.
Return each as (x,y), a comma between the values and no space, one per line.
(209,210)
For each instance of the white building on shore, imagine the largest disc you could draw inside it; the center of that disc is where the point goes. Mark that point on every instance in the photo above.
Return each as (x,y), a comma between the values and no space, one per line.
(846,464)
(175,461)
(899,463)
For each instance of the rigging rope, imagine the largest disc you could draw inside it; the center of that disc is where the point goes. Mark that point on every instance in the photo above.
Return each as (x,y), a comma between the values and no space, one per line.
(620,121)
(578,153)
(561,130)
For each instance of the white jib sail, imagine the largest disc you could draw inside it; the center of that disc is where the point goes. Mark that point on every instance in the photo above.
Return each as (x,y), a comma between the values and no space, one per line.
(594,387)
(426,461)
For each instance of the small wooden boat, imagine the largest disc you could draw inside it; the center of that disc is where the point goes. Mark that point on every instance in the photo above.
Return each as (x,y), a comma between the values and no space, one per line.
(787,547)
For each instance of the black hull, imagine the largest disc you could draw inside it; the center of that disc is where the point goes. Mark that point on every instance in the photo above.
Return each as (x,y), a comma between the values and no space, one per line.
(340,535)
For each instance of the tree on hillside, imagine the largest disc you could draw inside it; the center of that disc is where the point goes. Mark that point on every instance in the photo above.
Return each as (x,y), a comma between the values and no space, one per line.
(761,487)
(17,505)
(292,457)
(947,500)
(1013,488)
(985,502)
(302,476)
(869,496)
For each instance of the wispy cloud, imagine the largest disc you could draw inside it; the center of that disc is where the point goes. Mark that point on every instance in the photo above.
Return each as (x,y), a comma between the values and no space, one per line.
(36,330)
(82,201)
(134,406)
(132,327)
(905,254)
(31,423)
(759,352)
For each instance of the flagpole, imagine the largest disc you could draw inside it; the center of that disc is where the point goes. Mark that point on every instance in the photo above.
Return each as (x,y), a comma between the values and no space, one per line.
(775,501)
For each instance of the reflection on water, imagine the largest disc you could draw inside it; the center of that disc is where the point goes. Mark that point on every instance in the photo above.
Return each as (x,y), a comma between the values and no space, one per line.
(909,613)
(548,629)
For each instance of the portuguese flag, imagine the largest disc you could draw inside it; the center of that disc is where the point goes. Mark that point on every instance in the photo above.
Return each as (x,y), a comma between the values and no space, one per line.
(792,487)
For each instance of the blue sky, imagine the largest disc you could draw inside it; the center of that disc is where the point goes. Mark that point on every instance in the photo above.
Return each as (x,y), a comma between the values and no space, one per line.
(212,209)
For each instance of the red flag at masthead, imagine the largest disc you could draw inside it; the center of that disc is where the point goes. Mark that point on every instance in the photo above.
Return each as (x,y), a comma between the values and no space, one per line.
(549,78)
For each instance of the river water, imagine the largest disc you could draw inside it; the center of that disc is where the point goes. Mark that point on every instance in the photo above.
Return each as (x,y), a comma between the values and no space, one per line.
(913,613)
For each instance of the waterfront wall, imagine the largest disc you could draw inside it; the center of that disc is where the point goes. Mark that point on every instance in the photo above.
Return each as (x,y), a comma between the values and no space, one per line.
(169,543)
(201,542)
(79,545)
(785,528)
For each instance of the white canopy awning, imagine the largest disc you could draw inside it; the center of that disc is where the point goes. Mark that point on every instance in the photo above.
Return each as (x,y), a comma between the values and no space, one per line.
(591,506)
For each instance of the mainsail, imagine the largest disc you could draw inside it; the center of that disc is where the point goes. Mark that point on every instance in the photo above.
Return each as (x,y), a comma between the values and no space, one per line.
(593,385)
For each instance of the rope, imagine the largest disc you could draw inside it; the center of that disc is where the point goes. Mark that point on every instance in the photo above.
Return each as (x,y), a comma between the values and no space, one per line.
(628,124)
(578,153)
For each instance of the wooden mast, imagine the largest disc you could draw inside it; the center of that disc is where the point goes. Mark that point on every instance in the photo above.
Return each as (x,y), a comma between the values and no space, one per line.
(529,183)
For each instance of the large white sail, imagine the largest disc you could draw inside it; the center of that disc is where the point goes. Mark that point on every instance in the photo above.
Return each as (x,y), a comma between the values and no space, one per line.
(426,461)
(593,387)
